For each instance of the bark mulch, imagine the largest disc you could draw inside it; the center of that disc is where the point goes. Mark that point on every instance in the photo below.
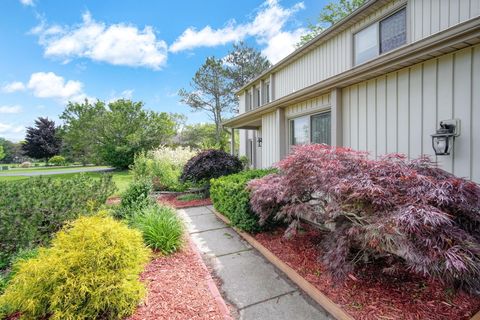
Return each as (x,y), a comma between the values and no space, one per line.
(368,293)
(171,199)
(179,287)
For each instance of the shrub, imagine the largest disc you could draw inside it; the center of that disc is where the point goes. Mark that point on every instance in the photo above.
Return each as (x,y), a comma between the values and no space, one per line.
(230,197)
(32,210)
(162,229)
(408,212)
(91,271)
(57,161)
(163,166)
(21,255)
(134,199)
(25,164)
(210,164)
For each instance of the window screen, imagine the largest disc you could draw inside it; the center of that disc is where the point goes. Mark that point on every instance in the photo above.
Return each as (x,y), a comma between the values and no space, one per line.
(366,44)
(321,128)
(393,31)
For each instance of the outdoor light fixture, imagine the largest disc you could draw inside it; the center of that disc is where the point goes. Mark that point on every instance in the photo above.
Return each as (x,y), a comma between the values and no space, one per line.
(259,142)
(444,138)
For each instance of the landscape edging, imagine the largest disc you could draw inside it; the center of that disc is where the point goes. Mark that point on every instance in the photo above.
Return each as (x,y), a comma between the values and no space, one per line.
(331,307)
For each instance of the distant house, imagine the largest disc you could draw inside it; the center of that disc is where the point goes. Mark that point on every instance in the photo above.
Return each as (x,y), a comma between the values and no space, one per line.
(380,80)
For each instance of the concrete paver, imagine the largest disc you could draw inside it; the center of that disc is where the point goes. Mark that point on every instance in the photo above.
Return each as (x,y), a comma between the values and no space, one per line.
(249,282)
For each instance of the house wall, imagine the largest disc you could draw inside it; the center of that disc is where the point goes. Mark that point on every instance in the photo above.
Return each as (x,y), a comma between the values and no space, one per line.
(399,111)
(270,139)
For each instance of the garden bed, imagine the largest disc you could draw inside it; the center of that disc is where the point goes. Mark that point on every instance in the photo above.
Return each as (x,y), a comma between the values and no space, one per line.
(171,199)
(368,293)
(180,287)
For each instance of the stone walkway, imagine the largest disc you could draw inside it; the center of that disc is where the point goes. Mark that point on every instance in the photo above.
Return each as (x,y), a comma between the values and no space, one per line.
(249,282)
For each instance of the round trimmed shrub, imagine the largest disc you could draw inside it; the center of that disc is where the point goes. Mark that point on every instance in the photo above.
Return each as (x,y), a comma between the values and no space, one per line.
(91,271)
(57,161)
(26,164)
(210,164)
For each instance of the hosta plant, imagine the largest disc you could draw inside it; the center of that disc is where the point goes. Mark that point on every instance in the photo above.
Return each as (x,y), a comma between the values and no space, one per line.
(409,213)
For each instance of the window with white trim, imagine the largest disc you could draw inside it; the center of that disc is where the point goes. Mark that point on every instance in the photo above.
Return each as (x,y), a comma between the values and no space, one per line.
(381,37)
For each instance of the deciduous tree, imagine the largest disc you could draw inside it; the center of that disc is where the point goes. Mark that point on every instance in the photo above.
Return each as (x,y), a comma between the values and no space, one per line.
(42,140)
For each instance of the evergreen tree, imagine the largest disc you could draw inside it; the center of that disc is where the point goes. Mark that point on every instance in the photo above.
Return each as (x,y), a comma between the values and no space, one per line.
(42,141)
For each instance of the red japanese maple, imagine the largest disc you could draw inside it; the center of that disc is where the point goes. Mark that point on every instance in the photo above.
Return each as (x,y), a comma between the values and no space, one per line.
(409,213)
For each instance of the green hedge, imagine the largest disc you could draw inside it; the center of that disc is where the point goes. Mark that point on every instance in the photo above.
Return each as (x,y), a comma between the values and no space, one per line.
(230,197)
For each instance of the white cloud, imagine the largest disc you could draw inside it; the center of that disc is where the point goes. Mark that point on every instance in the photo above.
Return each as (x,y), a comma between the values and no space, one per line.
(13,87)
(27,2)
(13,132)
(117,44)
(267,27)
(50,85)
(125,94)
(10,109)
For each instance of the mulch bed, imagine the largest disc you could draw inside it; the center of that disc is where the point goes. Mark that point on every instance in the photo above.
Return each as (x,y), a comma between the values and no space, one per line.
(171,199)
(177,288)
(368,293)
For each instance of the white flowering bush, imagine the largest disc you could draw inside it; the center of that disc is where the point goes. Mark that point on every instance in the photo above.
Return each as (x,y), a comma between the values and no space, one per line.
(163,166)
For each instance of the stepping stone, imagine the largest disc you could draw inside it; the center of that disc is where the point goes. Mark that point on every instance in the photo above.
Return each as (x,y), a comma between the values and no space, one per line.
(248,278)
(203,222)
(286,307)
(219,242)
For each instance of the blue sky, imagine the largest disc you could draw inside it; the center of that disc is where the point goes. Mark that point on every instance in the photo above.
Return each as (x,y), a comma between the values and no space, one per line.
(55,51)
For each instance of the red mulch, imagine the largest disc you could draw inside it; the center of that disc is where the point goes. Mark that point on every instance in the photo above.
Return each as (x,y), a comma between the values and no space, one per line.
(177,289)
(113,200)
(171,199)
(368,293)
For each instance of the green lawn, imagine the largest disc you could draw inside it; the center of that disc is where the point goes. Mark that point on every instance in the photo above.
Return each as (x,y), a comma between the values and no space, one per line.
(46,169)
(121,178)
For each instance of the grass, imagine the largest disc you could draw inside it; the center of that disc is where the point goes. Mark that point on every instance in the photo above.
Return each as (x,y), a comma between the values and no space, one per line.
(190,197)
(46,169)
(121,178)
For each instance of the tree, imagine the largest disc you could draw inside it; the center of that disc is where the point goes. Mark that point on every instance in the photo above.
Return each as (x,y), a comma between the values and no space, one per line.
(211,92)
(331,13)
(42,141)
(12,150)
(2,153)
(115,133)
(244,63)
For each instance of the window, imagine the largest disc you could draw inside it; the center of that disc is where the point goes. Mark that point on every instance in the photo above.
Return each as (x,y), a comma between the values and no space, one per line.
(258,97)
(267,92)
(381,37)
(250,100)
(311,129)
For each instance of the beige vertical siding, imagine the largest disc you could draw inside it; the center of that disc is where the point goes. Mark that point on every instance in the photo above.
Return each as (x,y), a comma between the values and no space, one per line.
(399,111)
(307,106)
(330,58)
(270,140)
(430,16)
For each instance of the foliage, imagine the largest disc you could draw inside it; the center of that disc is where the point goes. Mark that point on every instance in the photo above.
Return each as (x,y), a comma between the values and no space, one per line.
(42,141)
(190,197)
(331,13)
(210,164)
(211,92)
(91,271)
(2,152)
(57,161)
(202,136)
(244,63)
(162,229)
(32,210)
(21,255)
(114,133)
(134,199)
(26,164)
(408,212)
(230,197)
(163,166)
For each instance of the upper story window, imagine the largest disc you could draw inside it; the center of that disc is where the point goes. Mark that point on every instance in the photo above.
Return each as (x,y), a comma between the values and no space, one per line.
(257,93)
(267,92)
(381,37)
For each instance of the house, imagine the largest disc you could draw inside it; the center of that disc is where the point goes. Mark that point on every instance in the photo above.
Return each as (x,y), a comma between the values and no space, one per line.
(381,80)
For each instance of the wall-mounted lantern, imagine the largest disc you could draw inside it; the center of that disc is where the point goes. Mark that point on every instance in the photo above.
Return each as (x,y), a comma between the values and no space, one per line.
(444,139)
(259,142)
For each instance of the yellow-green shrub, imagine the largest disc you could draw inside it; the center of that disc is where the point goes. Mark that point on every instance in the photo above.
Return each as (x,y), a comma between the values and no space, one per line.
(90,271)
